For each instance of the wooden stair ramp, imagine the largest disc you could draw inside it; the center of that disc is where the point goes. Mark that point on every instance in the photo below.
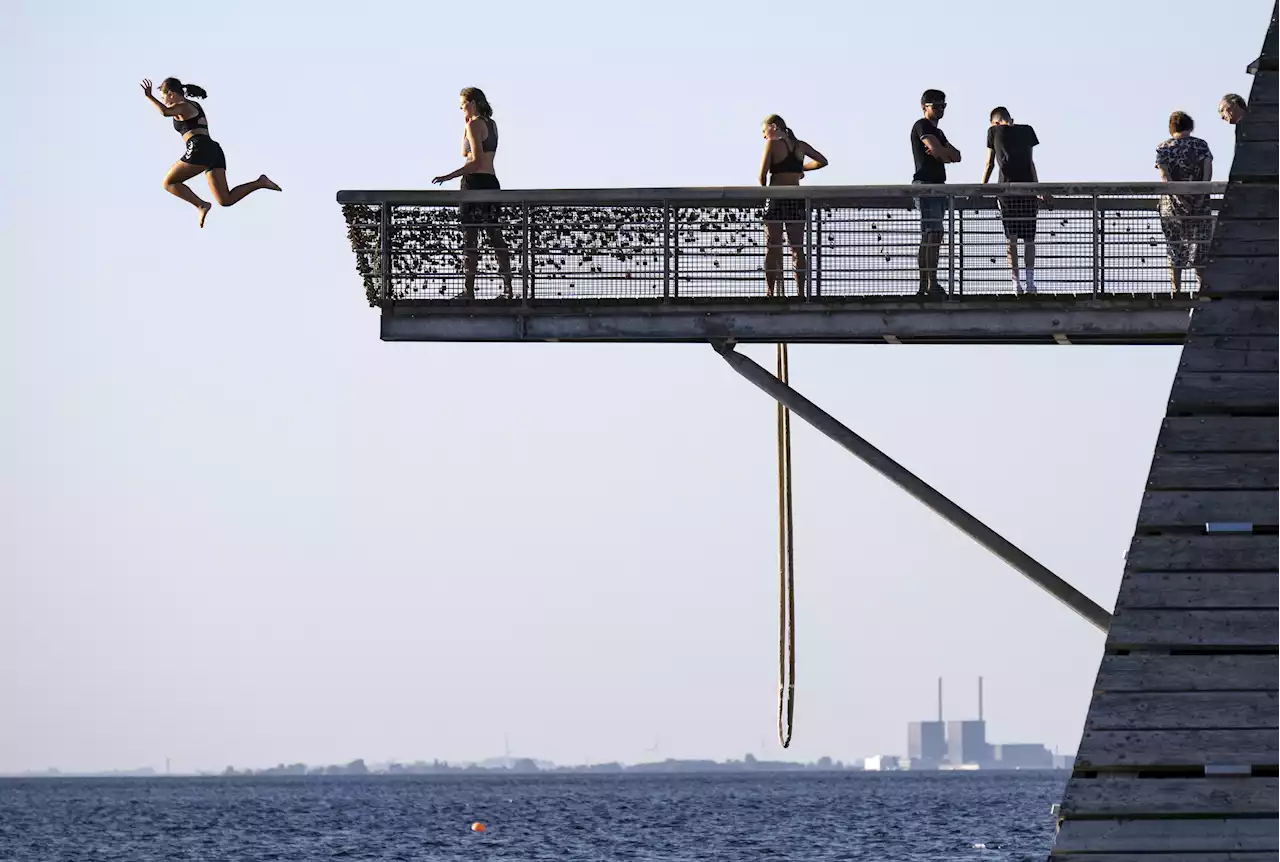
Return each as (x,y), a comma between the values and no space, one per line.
(1178,760)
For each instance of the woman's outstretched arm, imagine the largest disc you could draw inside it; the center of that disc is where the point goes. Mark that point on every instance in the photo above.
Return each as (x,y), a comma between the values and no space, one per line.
(181,111)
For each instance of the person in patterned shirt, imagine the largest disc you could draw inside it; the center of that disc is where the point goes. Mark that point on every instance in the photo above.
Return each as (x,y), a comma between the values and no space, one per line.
(1186,220)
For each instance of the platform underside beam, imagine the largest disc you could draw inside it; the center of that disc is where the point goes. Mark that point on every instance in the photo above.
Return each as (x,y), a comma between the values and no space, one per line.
(978,321)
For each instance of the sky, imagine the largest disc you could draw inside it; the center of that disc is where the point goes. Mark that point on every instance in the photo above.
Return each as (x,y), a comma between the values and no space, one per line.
(239,529)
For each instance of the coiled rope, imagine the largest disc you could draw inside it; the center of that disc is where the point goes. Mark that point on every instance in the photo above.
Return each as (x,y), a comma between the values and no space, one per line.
(786,569)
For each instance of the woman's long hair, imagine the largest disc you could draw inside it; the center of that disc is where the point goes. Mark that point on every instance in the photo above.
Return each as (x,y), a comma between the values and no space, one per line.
(775,120)
(475,94)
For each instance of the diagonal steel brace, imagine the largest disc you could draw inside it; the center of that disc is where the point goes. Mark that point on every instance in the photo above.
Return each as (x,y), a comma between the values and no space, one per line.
(915,486)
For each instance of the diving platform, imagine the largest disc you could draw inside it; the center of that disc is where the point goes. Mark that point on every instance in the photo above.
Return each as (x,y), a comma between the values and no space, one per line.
(688,265)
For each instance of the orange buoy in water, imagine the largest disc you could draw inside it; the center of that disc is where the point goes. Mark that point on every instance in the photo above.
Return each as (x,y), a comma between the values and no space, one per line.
(477,826)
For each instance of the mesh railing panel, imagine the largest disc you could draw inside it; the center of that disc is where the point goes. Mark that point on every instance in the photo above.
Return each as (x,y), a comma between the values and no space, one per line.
(1084,244)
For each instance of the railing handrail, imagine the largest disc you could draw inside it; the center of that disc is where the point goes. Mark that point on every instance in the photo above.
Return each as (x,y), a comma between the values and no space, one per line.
(709,195)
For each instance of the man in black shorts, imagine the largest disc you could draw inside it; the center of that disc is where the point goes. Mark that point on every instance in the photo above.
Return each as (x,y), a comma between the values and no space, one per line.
(1009,146)
(932,154)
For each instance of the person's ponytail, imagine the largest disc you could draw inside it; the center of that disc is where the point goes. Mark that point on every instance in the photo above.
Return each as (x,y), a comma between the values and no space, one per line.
(173,85)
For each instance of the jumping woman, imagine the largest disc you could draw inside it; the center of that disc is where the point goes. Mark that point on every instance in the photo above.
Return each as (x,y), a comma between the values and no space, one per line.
(203,152)
(783,164)
(479,146)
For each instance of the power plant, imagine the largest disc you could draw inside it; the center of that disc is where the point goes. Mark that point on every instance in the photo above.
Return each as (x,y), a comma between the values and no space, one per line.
(962,744)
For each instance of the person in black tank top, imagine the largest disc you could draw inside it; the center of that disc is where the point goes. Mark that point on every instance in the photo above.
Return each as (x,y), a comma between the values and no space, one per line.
(783,164)
(203,154)
(479,146)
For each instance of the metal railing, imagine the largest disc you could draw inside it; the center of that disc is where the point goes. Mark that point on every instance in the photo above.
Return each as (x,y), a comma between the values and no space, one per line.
(657,245)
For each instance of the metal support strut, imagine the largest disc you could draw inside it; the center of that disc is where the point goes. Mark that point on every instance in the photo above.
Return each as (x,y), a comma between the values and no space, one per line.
(915,486)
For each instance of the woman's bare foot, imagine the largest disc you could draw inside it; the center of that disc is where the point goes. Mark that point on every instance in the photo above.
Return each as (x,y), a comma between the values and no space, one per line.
(268,184)
(204,211)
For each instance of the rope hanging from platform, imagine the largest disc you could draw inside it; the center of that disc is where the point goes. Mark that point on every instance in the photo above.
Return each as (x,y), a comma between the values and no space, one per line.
(786,569)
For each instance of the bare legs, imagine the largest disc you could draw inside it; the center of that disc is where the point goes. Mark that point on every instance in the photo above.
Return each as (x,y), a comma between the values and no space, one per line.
(226,197)
(1031,264)
(773,231)
(471,260)
(174,184)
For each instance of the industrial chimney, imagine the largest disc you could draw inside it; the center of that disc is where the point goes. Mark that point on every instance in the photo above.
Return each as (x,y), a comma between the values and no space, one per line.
(939,699)
(979,698)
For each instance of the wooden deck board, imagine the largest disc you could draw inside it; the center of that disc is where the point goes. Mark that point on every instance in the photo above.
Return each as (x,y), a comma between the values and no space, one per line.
(1235,317)
(1199,590)
(1137,628)
(1169,749)
(1146,672)
(1239,274)
(1188,710)
(1174,509)
(1235,553)
(1219,433)
(1238,392)
(1130,797)
(1227,353)
(1244,237)
(1214,471)
(1182,836)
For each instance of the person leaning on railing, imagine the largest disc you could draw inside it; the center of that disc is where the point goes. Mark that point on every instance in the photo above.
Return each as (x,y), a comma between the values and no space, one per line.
(1185,219)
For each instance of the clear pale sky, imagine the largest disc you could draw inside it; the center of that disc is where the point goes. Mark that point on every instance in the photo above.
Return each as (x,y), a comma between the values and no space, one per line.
(241,530)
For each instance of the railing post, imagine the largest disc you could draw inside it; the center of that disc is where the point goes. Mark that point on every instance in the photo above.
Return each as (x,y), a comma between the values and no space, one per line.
(526,287)
(1099,248)
(816,263)
(384,252)
(675,251)
(808,248)
(666,250)
(951,245)
(960,245)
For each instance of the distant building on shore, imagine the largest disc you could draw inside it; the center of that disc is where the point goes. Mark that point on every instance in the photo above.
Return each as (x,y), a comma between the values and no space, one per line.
(953,745)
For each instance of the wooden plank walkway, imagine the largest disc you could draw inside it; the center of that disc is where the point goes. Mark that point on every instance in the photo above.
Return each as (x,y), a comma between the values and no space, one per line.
(1178,760)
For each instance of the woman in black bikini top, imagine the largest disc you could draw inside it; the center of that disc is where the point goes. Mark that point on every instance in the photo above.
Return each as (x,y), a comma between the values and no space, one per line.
(479,146)
(783,164)
(203,152)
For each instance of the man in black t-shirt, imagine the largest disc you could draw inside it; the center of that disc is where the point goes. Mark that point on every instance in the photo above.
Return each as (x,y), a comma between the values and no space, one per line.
(932,153)
(1009,145)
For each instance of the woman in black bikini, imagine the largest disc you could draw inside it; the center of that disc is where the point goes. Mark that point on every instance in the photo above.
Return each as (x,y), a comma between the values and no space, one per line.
(479,146)
(203,152)
(783,164)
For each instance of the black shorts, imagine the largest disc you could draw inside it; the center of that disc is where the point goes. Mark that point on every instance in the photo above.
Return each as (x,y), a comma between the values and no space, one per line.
(791,209)
(1019,217)
(480,215)
(204,152)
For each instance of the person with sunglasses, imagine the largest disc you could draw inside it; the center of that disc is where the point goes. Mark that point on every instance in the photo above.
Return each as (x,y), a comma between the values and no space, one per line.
(932,153)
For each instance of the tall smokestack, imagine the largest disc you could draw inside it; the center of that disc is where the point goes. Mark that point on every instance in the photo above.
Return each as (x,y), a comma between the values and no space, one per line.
(979,698)
(939,698)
